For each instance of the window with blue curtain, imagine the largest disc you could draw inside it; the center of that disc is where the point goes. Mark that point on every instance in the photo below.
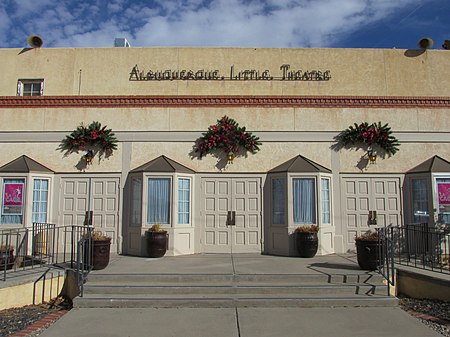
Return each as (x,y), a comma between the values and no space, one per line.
(326,210)
(13,201)
(40,201)
(158,209)
(304,198)
(278,201)
(184,193)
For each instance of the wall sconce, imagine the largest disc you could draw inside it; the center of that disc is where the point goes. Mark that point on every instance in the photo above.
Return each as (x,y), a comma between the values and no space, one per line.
(88,157)
(372,155)
(230,157)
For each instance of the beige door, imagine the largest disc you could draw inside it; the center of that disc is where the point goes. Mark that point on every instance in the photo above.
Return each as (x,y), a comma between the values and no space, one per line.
(361,195)
(100,195)
(236,197)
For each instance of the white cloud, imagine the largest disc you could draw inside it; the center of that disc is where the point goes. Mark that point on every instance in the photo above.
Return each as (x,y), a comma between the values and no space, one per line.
(269,23)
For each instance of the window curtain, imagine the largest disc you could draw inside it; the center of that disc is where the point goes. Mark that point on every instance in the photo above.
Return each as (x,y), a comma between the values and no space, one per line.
(325,188)
(304,201)
(14,218)
(158,211)
(40,201)
(278,201)
(184,192)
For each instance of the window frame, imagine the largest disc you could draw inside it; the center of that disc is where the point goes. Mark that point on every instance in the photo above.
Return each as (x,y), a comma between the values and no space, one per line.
(24,199)
(47,201)
(189,212)
(22,82)
(147,201)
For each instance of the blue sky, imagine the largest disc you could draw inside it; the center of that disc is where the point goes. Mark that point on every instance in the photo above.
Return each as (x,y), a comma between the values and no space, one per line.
(229,23)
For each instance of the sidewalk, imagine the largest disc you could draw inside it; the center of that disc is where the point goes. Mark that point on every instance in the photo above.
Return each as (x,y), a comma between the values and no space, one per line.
(237,322)
(246,322)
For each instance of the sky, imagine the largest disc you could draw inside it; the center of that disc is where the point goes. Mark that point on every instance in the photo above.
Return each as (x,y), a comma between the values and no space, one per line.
(226,23)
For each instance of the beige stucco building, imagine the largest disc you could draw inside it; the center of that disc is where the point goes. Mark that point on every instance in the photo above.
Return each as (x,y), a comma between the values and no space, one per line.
(159,101)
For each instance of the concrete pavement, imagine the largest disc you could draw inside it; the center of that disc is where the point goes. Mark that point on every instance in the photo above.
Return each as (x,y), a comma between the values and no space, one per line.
(237,322)
(241,322)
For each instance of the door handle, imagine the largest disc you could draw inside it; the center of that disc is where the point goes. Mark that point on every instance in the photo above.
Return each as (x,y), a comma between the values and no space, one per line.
(231,218)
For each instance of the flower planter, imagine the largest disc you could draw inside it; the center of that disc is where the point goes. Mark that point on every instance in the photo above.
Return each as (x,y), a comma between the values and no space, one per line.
(157,243)
(99,253)
(6,259)
(307,244)
(367,253)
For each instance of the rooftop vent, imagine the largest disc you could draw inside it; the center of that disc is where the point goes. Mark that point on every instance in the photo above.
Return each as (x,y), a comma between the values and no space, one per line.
(121,42)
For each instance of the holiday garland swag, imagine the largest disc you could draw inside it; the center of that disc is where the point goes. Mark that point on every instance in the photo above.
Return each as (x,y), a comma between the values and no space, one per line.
(92,137)
(227,136)
(370,134)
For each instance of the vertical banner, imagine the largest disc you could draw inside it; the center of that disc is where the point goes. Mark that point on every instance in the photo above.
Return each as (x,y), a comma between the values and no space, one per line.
(13,198)
(444,197)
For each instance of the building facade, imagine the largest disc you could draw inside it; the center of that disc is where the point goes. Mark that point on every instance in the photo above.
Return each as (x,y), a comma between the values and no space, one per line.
(159,101)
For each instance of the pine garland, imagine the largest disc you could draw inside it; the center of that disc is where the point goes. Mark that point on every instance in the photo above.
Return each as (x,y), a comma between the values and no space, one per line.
(227,136)
(370,134)
(93,137)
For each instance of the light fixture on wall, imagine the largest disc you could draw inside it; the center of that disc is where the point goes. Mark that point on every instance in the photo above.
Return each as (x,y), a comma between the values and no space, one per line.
(230,157)
(372,155)
(88,157)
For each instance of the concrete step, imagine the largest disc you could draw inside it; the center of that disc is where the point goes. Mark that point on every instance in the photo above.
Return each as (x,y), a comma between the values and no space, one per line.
(225,301)
(234,289)
(227,290)
(243,279)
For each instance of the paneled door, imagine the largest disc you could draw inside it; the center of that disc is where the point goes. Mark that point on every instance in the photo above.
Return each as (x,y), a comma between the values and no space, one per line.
(100,195)
(372,194)
(221,198)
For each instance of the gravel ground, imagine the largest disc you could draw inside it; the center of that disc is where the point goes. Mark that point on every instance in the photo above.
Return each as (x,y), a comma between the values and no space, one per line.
(435,314)
(16,319)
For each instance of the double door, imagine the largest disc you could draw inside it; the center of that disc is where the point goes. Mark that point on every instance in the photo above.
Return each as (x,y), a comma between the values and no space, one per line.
(231,215)
(99,195)
(369,203)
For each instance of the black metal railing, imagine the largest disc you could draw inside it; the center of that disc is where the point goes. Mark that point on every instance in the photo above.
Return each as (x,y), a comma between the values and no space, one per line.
(84,259)
(416,245)
(385,260)
(41,245)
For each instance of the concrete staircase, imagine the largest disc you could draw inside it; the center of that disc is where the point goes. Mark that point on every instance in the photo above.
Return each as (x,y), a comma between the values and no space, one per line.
(227,290)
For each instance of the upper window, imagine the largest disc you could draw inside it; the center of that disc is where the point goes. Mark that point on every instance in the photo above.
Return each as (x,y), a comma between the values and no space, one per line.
(304,193)
(30,87)
(13,201)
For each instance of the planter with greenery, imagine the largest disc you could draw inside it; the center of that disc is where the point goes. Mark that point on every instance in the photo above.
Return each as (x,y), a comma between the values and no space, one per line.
(307,240)
(157,241)
(368,250)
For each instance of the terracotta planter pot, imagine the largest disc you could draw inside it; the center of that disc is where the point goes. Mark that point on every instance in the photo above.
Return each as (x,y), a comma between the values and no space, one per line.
(368,252)
(307,244)
(6,259)
(157,243)
(100,253)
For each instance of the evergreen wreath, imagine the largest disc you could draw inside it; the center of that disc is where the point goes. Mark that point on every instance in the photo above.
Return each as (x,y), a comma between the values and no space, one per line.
(93,138)
(370,134)
(227,136)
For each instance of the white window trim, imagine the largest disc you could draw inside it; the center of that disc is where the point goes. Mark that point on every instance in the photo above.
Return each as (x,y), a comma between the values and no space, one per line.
(21,82)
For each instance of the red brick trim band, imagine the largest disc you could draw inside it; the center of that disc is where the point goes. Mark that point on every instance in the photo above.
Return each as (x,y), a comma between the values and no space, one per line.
(41,324)
(224,101)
